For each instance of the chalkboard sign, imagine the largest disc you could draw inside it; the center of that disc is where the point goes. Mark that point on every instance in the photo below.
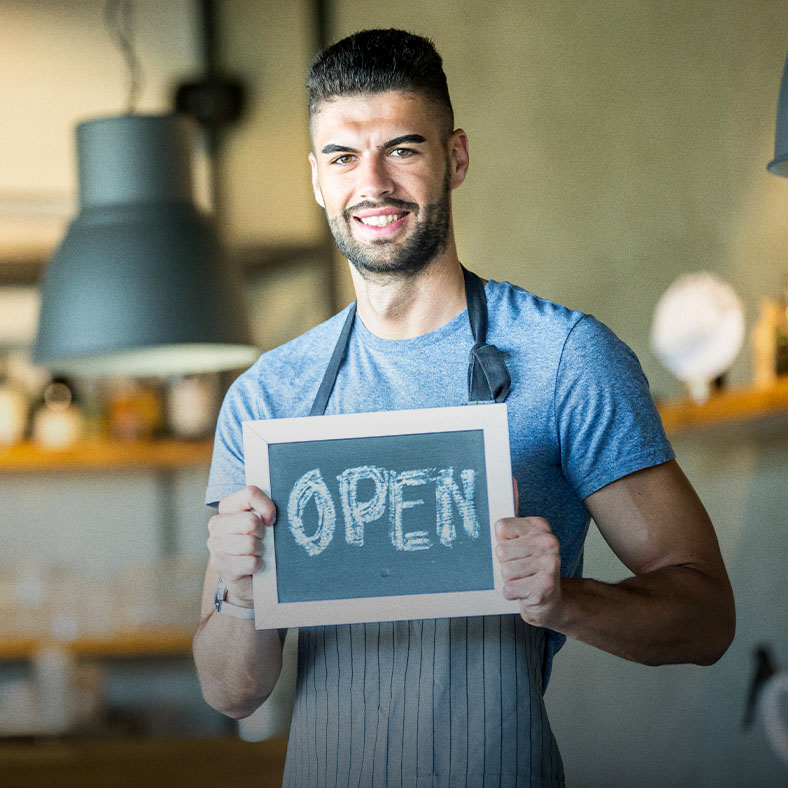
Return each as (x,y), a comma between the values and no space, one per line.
(381,516)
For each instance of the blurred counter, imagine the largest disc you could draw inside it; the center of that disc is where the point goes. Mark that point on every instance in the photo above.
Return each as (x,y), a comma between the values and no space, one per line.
(153,763)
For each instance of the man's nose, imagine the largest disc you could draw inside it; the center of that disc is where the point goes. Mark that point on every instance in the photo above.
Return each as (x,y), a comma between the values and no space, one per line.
(376,180)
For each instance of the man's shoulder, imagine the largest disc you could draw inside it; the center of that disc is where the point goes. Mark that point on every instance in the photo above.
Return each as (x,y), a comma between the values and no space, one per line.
(513,308)
(312,345)
(286,374)
(544,332)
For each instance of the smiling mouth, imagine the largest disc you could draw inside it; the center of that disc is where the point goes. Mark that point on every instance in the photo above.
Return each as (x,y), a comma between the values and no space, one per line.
(382,220)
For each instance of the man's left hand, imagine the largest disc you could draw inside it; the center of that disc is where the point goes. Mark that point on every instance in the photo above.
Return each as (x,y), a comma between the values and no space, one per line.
(530,559)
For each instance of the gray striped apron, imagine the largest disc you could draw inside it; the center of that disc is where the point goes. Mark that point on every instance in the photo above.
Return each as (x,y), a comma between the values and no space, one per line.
(434,703)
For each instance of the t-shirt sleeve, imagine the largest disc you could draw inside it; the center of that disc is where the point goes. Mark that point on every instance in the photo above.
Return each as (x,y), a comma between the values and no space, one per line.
(227,472)
(608,425)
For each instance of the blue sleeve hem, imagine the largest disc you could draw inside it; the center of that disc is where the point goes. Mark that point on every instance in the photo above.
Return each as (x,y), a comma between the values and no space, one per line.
(644,459)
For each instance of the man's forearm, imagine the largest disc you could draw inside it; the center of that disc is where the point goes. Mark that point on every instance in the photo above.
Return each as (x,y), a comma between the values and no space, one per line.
(237,665)
(672,615)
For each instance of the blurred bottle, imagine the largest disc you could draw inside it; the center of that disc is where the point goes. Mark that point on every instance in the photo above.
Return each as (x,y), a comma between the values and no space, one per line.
(193,405)
(58,421)
(14,407)
(763,343)
(53,672)
(781,349)
(134,410)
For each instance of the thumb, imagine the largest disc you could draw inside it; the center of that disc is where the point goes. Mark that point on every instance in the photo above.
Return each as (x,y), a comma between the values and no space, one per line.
(516,496)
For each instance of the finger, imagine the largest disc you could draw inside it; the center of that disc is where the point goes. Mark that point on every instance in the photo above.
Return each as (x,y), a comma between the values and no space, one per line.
(515,527)
(533,590)
(518,570)
(516,497)
(235,544)
(528,544)
(221,525)
(249,499)
(528,567)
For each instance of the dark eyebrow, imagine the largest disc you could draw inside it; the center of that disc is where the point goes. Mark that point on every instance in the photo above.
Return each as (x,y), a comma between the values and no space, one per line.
(334,148)
(404,138)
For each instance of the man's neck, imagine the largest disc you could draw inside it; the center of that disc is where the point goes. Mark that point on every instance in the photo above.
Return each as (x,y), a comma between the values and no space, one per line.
(394,307)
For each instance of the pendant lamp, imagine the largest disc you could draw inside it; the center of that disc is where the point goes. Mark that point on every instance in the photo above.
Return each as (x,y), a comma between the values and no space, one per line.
(779,164)
(140,286)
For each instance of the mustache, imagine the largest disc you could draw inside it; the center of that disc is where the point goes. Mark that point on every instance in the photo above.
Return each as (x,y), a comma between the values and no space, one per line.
(391,202)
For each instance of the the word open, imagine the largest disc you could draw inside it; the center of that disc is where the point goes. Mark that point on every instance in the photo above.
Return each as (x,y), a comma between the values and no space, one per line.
(388,489)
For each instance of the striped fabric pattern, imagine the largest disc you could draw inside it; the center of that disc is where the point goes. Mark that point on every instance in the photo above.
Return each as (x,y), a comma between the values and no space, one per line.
(437,703)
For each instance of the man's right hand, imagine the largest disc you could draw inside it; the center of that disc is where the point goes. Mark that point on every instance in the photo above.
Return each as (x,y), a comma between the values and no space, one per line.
(235,542)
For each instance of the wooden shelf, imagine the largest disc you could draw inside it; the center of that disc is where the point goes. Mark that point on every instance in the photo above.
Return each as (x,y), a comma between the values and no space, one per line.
(745,409)
(104,455)
(132,644)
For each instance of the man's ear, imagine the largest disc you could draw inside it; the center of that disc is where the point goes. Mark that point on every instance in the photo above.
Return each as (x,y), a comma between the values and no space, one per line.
(458,157)
(315,182)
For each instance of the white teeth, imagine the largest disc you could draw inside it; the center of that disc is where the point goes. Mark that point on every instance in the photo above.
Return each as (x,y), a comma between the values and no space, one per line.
(380,221)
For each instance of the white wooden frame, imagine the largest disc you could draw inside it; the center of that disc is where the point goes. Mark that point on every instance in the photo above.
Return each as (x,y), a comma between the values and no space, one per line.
(492,419)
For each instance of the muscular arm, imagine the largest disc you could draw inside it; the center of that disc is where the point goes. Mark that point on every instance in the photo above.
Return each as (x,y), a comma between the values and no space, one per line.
(237,665)
(678,606)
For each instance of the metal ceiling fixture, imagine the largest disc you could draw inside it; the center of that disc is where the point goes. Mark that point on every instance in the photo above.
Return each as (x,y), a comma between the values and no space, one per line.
(140,285)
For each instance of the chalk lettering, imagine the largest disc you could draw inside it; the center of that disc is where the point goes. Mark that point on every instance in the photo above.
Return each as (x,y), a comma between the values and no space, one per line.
(311,485)
(387,484)
(446,490)
(414,540)
(358,513)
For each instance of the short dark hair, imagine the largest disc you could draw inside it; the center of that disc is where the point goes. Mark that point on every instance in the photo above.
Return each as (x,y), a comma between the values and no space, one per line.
(376,61)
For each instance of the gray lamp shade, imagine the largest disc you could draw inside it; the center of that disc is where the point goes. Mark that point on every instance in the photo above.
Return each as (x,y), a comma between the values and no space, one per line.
(140,285)
(779,164)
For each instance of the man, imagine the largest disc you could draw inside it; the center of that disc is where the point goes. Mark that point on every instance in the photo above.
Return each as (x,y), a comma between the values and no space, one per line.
(453,702)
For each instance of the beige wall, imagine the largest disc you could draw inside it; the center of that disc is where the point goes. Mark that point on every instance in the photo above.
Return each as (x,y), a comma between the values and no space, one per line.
(266,172)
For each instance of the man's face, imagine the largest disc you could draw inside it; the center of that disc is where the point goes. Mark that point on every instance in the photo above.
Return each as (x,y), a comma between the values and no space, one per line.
(383,171)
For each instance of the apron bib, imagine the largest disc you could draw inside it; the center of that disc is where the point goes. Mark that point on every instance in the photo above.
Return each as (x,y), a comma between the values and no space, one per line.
(488,377)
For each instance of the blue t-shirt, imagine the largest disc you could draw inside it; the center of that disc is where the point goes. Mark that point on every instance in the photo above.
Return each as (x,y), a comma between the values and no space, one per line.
(580,411)
(580,416)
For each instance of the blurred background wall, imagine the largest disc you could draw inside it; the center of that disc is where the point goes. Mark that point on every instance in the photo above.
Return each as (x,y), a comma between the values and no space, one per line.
(614,145)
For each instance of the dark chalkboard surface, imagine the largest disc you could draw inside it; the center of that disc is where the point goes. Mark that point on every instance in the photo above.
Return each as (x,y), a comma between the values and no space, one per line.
(381,516)
(377,516)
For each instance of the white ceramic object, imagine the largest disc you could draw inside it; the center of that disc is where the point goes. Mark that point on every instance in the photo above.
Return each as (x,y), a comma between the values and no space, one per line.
(698,329)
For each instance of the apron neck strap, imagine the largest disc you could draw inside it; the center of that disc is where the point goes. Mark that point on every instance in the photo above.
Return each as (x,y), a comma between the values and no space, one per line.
(476,299)
(330,376)
(488,376)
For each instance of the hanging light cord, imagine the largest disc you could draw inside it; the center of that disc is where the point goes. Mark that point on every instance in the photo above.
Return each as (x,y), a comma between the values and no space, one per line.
(119,18)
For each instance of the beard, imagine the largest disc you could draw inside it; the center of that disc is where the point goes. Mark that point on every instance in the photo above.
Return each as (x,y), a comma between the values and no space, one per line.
(406,257)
